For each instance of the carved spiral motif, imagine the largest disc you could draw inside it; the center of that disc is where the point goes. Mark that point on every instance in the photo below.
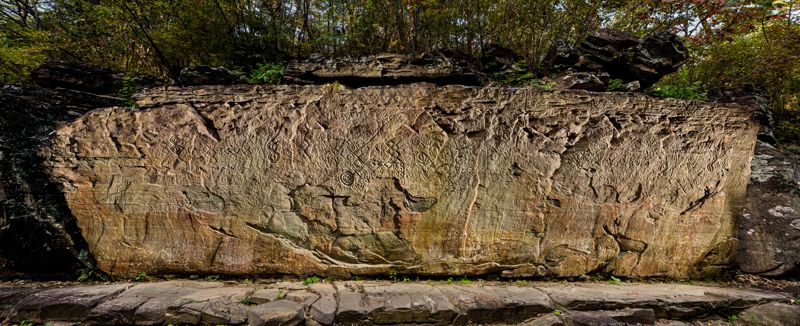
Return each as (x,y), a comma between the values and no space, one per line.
(347,178)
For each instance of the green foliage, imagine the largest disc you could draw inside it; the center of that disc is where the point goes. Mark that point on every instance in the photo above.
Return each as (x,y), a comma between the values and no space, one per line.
(541,84)
(464,280)
(311,280)
(89,275)
(21,50)
(557,312)
(247,302)
(679,92)
(267,74)
(281,294)
(787,129)
(733,319)
(211,278)
(615,85)
(522,282)
(128,90)
(141,277)
(767,57)
(614,280)
(24,323)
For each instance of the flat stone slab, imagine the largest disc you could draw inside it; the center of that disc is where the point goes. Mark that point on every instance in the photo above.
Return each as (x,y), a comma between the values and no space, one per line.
(381,302)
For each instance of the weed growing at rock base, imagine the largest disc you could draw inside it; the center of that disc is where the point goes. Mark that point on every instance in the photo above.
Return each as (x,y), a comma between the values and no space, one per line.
(311,280)
(88,275)
(141,277)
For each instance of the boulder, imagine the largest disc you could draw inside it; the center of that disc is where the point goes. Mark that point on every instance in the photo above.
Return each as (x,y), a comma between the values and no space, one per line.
(497,58)
(769,226)
(771,314)
(77,76)
(629,58)
(412,179)
(383,69)
(562,55)
(582,80)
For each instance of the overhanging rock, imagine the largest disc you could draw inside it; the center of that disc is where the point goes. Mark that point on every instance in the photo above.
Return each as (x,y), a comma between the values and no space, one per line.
(412,179)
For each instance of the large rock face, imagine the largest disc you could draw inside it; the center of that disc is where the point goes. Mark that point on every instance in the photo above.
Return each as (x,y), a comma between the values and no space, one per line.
(769,230)
(411,179)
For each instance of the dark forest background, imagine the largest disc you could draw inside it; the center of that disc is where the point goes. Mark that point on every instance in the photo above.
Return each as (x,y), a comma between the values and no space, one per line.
(731,42)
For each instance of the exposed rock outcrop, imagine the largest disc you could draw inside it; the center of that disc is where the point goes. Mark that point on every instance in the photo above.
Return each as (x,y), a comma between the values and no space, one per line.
(769,228)
(629,58)
(383,303)
(37,232)
(86,78)
(385,69)
(411,179)
(207,75)
(622,56)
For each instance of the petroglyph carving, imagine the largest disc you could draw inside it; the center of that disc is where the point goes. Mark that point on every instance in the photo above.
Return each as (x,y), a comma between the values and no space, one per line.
(413,179)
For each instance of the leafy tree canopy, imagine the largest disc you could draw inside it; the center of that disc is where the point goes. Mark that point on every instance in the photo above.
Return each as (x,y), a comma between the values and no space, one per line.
(731,41)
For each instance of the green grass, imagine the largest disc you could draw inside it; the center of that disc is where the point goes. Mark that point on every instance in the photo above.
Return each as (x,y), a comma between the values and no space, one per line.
(311,280)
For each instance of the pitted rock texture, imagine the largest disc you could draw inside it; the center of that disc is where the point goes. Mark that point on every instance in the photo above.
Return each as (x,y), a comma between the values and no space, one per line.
(410,179)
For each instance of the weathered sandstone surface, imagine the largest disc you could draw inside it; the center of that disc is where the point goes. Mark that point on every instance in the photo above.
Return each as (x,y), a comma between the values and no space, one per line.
(410,179)
(383,303)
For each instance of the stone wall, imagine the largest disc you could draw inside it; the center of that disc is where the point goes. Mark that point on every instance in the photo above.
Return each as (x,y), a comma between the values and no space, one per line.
(409,179)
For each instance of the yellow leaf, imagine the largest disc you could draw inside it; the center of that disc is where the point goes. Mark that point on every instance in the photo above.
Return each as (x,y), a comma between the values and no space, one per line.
(779,3)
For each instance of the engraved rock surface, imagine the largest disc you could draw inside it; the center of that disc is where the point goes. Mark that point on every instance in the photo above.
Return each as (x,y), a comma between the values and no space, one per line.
(409,179)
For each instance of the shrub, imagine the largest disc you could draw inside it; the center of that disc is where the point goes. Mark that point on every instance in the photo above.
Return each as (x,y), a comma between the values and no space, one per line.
(267,73)
(615,85)
(680,92)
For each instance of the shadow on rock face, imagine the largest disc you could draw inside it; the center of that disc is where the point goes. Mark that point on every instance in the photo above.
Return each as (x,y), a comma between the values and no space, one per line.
(769,228)
(38,236)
